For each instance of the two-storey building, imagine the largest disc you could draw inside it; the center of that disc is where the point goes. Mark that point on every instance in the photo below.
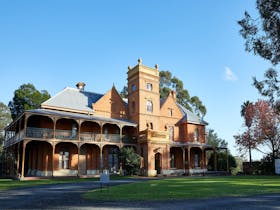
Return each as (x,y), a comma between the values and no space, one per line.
(77,132)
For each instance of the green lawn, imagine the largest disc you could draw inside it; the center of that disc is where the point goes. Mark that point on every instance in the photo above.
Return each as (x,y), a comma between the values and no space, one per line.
(189,187)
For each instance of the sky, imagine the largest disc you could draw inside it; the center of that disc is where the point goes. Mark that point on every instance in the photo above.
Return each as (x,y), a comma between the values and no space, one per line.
(55,44)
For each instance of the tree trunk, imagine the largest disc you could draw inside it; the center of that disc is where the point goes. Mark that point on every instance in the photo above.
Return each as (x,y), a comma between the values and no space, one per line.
(250,160)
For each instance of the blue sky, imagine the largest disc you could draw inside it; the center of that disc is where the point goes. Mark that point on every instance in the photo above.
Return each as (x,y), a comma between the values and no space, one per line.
(54,44)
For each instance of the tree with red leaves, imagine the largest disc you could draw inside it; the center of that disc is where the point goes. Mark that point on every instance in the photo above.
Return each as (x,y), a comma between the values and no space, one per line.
(262,123)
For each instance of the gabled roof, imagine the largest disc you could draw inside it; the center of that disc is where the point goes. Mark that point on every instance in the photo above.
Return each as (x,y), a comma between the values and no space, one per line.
(72,99)
(190,116)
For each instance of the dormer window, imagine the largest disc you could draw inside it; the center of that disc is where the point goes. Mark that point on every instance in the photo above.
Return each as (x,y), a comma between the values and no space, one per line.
(133,87)
(149,86)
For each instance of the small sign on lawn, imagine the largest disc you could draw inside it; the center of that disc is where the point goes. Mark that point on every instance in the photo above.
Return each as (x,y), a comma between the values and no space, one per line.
(105,178)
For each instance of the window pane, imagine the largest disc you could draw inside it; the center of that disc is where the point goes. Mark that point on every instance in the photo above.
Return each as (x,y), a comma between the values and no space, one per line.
(149,106)
(149,86)
(133,87)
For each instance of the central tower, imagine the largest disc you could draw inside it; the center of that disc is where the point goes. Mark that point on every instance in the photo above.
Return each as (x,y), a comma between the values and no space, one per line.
(144,96)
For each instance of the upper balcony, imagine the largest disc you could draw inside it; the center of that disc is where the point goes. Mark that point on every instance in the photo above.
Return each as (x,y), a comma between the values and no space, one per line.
(65,129)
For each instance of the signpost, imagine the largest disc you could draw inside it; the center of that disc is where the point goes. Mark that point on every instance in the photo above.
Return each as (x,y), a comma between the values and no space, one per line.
(277,166)
(104,179)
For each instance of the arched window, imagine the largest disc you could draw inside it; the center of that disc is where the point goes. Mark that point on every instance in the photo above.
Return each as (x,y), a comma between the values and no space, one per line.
(133,87)
(151,126)
(149,86)
(196,134)
(133,107)
(149,106)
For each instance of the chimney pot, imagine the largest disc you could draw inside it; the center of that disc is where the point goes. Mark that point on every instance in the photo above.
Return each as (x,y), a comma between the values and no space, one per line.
(80,86)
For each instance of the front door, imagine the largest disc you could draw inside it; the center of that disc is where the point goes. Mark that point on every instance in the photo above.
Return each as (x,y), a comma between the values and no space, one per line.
(158,163)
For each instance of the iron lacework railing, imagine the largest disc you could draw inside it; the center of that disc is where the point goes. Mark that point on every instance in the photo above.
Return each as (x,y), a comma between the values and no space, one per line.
(129,139)
(90,136)
(47,133)
(33,132)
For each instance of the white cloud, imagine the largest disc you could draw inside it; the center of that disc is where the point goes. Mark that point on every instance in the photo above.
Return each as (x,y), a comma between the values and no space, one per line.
(229,75)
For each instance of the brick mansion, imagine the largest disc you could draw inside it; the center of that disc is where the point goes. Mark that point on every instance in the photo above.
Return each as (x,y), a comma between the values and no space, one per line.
(80,133)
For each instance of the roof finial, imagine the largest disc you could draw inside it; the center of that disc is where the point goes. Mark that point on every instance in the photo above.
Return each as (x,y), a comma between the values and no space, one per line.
(139,61)
(156,66)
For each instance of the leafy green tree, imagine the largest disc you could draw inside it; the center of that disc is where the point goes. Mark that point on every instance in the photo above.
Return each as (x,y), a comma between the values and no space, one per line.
(5,119)
(262,34)
(222,161)
(262,37)
(130,160)
(124,92)
(27,97)
(270,87)
(213,139)
(169,83)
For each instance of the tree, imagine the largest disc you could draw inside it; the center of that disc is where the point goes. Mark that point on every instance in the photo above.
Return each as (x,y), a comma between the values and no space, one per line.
(27,97)
(5,119)
(262,34)
(213,139)
(124,92)
(169,83)
(270,87)
(264,129)
(222,161)
(130,160)
(247,112)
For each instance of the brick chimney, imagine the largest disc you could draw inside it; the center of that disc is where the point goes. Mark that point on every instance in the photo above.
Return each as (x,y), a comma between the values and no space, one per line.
(81,86)
(173,94)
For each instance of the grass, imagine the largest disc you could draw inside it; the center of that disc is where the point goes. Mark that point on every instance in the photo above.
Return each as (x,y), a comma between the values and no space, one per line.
(189,188)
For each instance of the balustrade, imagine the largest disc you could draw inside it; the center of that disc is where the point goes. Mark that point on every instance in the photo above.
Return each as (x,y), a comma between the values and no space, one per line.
(47,133)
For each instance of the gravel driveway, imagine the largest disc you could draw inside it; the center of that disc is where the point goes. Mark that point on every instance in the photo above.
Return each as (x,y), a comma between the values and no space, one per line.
(68,196)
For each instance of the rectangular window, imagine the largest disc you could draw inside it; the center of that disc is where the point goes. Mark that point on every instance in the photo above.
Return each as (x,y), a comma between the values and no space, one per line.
(171,133)
(63,160)
(149,86)
(170,112)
